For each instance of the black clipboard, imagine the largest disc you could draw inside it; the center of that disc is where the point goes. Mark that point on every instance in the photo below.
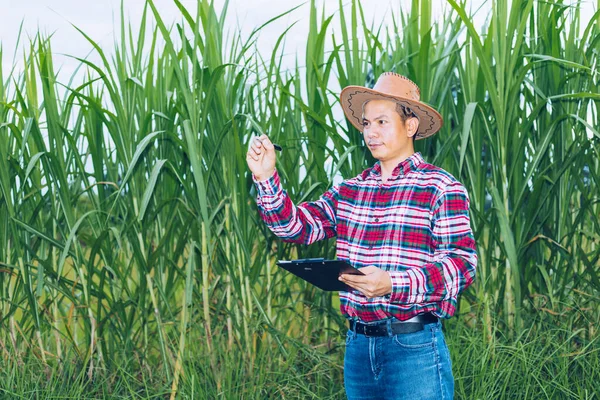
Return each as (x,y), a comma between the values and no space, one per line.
(322,273)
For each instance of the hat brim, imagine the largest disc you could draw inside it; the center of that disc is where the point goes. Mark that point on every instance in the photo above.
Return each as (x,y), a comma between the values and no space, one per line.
(352,99)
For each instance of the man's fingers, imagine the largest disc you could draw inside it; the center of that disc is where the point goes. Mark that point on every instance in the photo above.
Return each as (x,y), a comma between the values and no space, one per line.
(268,145)
(374,283)
(258,143)
(354,278)
(354,285)
(265,142)
(358,282)
(369,270)
(255,145)
(252,153)
(361,278)
(255,150)
(361,284)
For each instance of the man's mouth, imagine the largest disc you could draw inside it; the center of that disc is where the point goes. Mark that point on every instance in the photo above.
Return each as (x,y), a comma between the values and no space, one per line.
(373,145)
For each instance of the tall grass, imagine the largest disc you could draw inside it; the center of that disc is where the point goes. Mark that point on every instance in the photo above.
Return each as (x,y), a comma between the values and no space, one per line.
(129,237)
(547,361)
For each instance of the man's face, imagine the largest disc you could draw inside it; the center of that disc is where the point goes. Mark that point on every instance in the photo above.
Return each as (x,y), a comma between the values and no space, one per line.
(384,132)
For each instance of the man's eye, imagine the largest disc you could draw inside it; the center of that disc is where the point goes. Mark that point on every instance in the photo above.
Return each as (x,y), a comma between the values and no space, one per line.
(365,123)
(381,121)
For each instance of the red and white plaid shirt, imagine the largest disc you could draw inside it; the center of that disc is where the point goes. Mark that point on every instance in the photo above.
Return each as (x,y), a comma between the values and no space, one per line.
(415,226)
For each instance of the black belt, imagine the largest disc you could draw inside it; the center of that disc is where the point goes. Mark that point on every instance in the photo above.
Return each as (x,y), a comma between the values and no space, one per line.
(415,324)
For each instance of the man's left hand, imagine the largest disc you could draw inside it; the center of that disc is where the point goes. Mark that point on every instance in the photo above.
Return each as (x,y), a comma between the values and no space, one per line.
(375,281)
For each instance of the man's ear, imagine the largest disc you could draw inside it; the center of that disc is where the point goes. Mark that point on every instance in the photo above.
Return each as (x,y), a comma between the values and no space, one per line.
(412,125)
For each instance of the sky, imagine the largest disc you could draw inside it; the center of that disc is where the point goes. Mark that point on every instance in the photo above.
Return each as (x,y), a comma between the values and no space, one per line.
(100,20)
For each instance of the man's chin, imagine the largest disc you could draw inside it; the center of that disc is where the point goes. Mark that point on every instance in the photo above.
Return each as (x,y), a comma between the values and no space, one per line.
(376,153)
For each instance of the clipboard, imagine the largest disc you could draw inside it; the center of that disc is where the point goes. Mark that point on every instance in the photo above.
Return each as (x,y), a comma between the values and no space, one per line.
(322,273)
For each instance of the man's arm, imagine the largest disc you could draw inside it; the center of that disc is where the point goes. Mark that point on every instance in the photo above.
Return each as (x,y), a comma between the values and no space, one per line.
(305,223)
(454,259)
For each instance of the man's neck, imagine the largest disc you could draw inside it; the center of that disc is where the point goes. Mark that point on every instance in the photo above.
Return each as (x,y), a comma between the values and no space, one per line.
(387,166)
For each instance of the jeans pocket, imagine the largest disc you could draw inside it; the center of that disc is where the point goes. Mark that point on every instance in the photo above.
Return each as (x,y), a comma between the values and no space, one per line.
(350,336)
(415,340)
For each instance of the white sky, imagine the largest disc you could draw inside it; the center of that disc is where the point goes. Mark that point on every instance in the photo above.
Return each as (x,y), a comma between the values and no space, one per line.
(100,20)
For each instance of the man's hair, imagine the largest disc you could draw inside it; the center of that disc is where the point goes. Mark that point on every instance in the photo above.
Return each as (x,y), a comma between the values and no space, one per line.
(405,112)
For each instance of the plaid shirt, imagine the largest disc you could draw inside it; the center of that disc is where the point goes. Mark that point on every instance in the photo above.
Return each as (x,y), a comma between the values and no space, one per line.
(415,226)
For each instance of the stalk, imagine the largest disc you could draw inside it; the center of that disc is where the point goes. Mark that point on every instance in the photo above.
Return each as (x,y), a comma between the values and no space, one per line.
(206,305)
(161,334)
(13,338)
(245,300)
(183,316)
(269,289)
(205,288)
(229,260)
(55,314)
(27,284)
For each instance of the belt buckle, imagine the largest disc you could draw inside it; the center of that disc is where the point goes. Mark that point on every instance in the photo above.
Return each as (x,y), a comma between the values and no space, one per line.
(373,330)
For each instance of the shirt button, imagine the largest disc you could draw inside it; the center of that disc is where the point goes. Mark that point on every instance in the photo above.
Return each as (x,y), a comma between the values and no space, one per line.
(376,219)
(371,247)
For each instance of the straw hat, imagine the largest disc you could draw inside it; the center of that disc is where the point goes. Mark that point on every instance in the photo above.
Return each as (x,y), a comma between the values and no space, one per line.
(395,87)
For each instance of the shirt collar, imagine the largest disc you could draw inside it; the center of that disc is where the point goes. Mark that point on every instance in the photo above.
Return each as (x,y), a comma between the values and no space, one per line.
(403,168)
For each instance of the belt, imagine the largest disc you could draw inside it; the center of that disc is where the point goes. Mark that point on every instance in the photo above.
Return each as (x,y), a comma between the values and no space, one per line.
(415,324)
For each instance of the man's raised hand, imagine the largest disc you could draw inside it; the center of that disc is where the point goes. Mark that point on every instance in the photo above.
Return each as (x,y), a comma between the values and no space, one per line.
(261,157)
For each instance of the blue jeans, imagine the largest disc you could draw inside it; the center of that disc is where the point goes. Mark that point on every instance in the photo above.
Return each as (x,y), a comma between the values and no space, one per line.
(404,366)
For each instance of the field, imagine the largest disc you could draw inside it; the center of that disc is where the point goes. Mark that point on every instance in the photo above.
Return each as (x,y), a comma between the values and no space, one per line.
(134,264)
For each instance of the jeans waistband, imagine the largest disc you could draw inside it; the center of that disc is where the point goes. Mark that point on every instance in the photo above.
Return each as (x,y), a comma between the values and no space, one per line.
(392,327)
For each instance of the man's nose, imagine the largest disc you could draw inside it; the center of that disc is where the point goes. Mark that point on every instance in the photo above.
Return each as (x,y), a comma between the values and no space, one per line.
(372,132)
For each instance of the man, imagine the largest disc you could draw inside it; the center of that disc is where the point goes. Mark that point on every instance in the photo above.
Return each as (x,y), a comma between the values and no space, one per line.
(405,224)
